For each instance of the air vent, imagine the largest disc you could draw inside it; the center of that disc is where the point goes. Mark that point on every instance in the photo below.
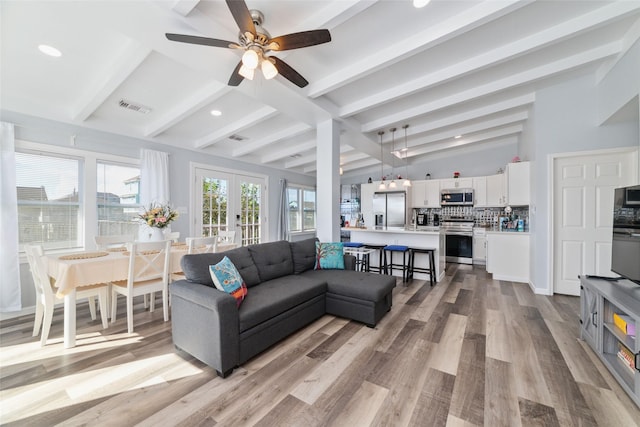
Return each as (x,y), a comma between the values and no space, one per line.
(133,106)
(236,137)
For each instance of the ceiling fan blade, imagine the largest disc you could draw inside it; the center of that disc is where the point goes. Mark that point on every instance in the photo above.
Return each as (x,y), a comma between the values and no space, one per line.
(236,78)
(289,73)
(302,39)
(199,40)
(241,14)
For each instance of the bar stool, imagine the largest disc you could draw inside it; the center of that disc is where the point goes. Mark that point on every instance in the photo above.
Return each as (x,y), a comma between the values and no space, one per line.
(361,262)
(380,269)
(431,270)
(388,267)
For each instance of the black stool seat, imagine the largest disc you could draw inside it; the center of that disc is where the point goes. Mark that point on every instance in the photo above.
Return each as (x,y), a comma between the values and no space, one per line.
(431,270)
(380,248)
(389,266)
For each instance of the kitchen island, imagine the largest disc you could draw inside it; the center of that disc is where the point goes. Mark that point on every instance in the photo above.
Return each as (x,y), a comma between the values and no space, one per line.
(428,237)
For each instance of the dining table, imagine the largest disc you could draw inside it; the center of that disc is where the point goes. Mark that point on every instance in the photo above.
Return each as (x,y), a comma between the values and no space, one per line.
(77,269)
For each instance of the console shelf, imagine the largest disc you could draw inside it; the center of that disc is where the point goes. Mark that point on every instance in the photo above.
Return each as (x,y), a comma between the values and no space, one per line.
(599,300)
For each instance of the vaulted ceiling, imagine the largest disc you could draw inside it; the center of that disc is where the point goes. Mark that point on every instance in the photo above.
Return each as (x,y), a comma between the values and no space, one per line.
(453,68)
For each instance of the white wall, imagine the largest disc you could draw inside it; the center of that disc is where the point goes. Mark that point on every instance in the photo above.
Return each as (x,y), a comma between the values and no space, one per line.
(566,120)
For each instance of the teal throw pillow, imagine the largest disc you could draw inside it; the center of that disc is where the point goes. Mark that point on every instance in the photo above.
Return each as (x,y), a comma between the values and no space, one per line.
(329,256)
(226,278)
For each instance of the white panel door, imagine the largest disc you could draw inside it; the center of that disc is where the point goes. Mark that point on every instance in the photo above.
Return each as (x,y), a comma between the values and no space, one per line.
(583,215)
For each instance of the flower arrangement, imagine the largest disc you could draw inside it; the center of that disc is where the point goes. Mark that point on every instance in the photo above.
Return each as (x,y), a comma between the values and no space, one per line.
(456,174)
(159,216)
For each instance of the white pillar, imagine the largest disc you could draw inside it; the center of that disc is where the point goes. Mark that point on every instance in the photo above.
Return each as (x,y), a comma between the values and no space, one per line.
(328,181)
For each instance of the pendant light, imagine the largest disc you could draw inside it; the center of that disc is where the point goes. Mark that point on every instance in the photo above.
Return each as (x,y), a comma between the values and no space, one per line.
(382,184)
(392,184)
(407,182)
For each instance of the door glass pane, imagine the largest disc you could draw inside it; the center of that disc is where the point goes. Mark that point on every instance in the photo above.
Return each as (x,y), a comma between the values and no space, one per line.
(249,223)
(118,199)
(49,196)
(215,199)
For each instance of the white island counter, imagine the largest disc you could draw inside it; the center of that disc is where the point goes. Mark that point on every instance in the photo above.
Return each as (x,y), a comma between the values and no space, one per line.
(420,238)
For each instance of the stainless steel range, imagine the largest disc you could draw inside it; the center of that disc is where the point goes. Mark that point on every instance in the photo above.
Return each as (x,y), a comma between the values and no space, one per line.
(458,231)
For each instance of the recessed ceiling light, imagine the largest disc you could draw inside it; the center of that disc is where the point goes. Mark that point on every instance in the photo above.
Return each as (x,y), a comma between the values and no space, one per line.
(420,3)
(458,136)
(216,113)
(49,50)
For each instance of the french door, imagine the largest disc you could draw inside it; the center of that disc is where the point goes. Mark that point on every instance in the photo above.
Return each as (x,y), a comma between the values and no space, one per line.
(229,201)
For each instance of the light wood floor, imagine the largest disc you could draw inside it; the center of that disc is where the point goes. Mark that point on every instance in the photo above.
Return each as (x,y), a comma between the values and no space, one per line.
(469,351)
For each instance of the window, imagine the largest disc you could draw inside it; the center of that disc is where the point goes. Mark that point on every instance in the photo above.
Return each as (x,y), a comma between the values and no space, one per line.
(49,200)
(302,209)
(118,199)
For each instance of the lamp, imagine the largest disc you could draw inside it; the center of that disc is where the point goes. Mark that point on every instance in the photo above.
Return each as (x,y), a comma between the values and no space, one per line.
(407,182)
(268,69)
(382,185)
(250,59)
(392,184)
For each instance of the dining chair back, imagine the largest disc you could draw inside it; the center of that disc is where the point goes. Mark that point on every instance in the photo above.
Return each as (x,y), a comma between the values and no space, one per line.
(46,294)
(115,241)
(200,245)
(148,273)
(173,236)
(226,236)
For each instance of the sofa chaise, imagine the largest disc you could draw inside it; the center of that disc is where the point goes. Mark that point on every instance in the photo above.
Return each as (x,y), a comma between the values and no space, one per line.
(285,293)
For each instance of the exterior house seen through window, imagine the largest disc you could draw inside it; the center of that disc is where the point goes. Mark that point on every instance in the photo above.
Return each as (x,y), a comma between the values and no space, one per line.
(302,209)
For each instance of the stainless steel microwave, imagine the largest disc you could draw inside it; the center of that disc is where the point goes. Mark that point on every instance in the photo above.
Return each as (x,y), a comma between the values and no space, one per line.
(456,197)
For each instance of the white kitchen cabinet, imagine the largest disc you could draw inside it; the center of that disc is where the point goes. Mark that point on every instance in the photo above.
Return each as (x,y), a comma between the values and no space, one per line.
(479,246)
(425,194)
(449,183)
(508,256)
(496,190)
(518,183)
(480,192)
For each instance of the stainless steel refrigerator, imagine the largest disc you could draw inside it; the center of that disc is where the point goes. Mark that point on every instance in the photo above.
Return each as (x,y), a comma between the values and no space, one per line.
(389,209)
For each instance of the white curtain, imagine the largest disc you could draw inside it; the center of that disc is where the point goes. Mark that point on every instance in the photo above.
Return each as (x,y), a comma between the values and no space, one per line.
(283,212)
(10,299)
(154,177)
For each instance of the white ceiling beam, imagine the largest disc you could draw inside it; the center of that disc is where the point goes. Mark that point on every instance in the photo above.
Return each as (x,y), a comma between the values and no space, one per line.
(247,121)
(445,145)
(345,160)
(289,132)
(485,12)
(187,107)
(311,158)
(184,7)
(289,151)
(515,80)
(360,164)
(125,63)
(477,146)
(551,36)
(470,129)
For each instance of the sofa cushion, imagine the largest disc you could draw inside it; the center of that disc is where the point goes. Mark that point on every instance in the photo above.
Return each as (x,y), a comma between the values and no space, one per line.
(196,266)
(276,296)
(329,256)
(227,279)
(303,253)
(272,259)
(356,284)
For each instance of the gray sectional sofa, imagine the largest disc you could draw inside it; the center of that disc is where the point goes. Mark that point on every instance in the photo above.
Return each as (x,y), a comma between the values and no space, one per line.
(285,293)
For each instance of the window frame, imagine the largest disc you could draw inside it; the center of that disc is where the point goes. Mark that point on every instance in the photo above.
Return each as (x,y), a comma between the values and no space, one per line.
(87,185)
(301,189)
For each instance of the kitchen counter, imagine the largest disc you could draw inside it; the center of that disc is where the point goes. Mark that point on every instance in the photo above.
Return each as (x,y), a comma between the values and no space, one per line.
(419,238)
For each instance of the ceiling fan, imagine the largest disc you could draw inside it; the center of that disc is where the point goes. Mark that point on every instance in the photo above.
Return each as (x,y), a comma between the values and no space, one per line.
(257,43)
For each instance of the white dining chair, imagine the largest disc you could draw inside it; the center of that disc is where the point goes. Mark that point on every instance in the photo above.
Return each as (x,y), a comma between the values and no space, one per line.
(116,241)
(46,294)
(173,236)
(200,245)
(225,236)
(148,273)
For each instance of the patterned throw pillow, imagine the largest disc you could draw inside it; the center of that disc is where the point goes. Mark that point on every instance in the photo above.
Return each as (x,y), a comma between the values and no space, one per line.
(329,256)
(226,278)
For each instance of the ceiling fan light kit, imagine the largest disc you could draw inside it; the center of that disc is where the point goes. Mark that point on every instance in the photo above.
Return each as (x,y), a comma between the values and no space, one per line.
(256,43)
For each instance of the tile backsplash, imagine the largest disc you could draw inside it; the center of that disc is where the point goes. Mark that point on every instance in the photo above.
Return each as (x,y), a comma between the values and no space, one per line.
(482,216)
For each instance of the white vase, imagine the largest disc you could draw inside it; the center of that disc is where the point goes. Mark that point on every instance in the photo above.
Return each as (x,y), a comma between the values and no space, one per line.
(151,234)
